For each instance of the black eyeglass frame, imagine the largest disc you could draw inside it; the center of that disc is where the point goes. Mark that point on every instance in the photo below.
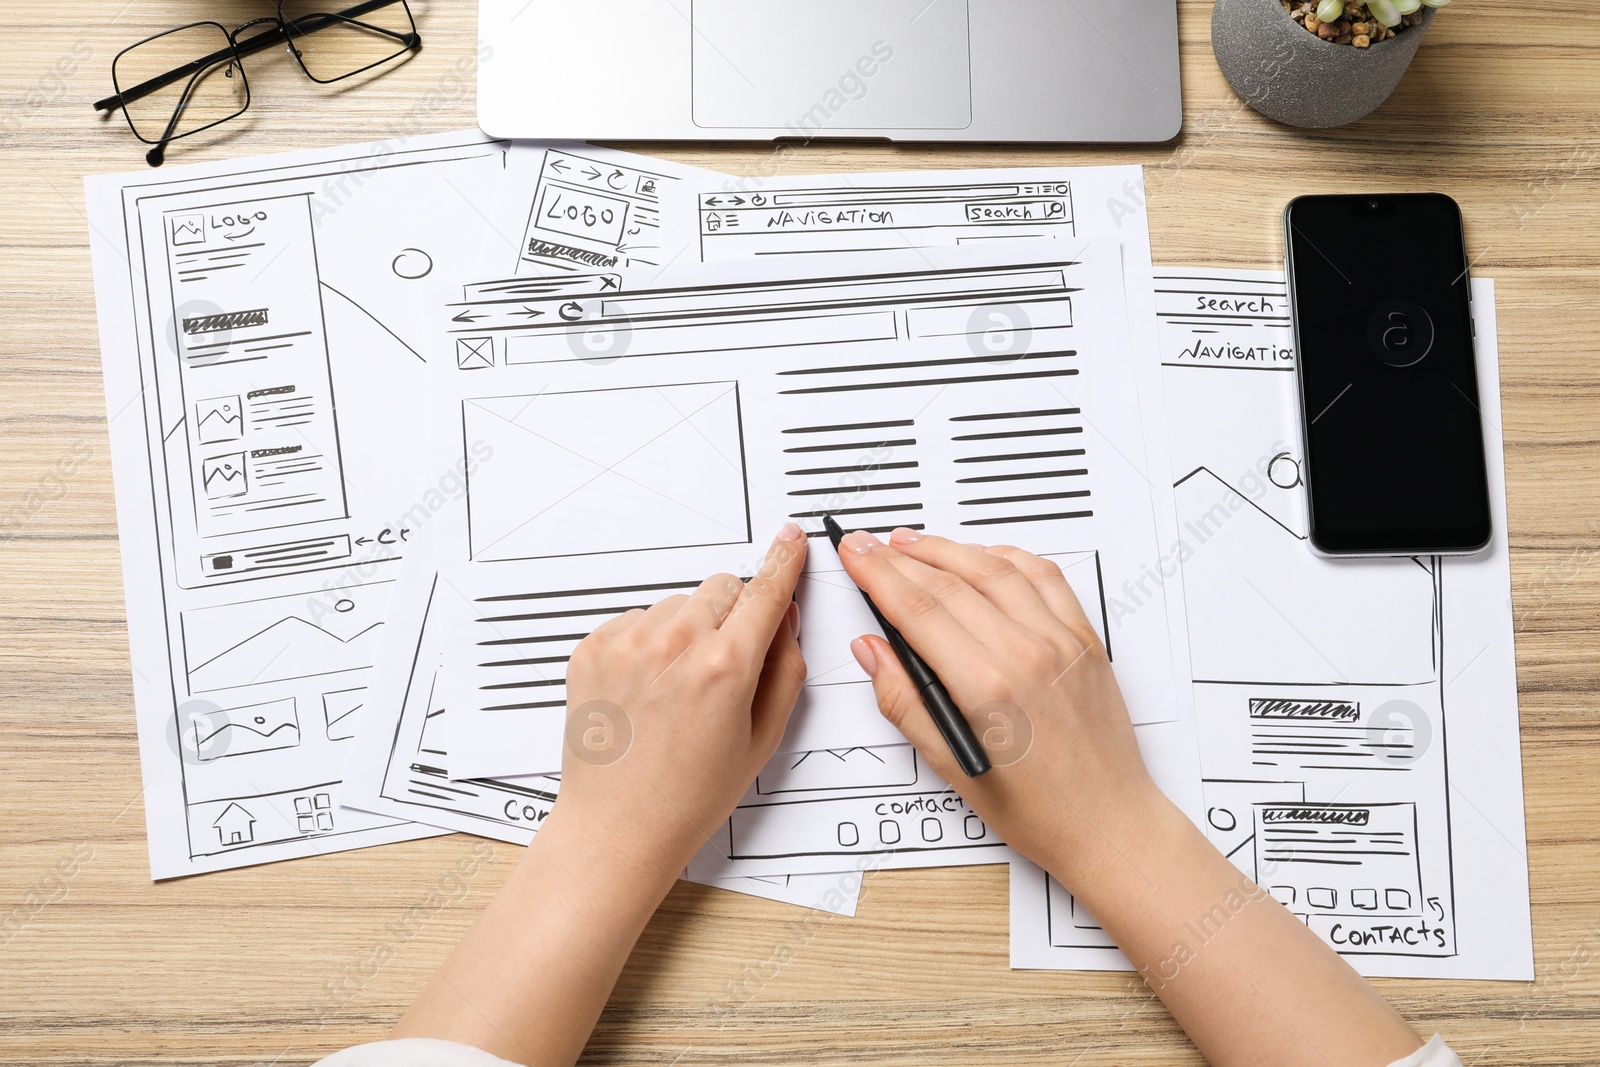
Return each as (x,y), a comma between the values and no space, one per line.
(282,31)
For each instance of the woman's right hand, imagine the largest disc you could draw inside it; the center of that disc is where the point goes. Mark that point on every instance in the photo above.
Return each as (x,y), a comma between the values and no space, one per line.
(1005,633)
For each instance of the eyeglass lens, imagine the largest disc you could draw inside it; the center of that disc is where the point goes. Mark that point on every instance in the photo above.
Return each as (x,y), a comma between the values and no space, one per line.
(205,98)
(330,46)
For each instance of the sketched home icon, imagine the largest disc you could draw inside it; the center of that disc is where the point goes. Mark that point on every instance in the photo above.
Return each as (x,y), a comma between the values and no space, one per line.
(235,826)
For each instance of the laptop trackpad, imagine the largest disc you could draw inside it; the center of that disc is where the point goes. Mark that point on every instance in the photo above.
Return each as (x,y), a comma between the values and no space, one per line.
(832,66)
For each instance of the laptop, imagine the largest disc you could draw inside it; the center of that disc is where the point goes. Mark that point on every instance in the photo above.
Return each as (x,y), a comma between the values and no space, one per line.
(901,70)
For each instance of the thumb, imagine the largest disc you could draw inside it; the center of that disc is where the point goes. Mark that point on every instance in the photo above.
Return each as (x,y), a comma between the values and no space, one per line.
(783,674)
(901,704)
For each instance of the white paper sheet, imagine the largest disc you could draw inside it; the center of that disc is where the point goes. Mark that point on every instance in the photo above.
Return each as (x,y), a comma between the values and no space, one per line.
(1326,690)
(260,519)
(821,217)
(835,372)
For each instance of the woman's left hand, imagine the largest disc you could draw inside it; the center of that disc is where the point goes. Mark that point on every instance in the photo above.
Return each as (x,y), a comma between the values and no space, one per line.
(672,710)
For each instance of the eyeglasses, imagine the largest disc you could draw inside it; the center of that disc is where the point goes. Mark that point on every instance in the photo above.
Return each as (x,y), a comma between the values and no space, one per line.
(166,93)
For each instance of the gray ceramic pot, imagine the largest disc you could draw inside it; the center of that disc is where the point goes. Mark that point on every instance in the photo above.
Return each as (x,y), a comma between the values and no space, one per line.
(1296,77)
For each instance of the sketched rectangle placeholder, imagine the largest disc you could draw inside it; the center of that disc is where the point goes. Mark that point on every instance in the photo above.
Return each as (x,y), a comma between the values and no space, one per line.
(615,337)
(607,470)
(998,318)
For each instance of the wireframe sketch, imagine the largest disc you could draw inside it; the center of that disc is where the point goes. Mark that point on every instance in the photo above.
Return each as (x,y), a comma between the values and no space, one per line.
(1324,690)
(262,331)
(593,211)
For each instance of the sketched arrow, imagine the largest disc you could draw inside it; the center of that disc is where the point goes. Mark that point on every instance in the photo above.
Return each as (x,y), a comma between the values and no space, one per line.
(558,165)
(611,179)
(572,311)
(736,201)
(467,316)
(527,312)
(712,201)
(591,174)
(363,540)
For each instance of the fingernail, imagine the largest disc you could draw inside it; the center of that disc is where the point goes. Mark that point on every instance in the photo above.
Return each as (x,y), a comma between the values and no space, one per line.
(904,535)
(793,615)
(790,532)
(860,542)
(864,656)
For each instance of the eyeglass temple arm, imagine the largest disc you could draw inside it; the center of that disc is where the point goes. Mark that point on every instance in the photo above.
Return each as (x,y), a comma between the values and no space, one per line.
(251,45)
(154,156)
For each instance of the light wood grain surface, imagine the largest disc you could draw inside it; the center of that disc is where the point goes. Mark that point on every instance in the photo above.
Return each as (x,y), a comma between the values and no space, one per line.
(273,965)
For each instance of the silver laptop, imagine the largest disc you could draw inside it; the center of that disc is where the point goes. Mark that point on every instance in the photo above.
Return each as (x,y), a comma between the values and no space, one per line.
(905,70)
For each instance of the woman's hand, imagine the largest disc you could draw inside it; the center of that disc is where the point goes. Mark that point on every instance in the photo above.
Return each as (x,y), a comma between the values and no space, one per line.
(1005,633)
(672,710)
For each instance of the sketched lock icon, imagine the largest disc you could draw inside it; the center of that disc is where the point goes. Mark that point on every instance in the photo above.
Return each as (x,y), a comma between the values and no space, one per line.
(1001,331)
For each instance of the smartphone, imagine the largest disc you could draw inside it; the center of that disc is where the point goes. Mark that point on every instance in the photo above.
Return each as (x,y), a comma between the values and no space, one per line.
(1391,428)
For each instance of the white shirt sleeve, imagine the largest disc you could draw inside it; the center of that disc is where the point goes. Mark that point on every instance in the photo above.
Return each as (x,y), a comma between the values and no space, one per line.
(428,1052)
(1434,1054)
(420,1052)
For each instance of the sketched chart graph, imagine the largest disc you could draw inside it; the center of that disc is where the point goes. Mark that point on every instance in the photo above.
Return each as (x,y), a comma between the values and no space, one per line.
(1263,608)
(609,470)
(281,639)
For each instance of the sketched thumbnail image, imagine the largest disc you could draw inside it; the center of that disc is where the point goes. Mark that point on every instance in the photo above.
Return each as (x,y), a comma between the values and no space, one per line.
(224,476)
(842,768)
(283,638)
(1262,608)
(218,420)
(339,712)
(188,229)
(619,470)
(240,731)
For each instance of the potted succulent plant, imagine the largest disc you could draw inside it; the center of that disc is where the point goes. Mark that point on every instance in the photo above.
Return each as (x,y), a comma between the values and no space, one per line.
(1317,63)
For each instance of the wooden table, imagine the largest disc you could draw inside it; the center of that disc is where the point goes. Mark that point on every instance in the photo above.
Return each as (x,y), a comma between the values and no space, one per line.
(1501,110)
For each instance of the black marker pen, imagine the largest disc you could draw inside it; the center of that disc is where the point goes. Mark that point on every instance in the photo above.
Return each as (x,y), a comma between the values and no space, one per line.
(946,716)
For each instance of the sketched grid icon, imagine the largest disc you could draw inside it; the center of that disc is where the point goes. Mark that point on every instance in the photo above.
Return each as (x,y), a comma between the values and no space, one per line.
(1003,331)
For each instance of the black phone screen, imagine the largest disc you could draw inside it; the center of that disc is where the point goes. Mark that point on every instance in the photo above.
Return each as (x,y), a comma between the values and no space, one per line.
(1388,383)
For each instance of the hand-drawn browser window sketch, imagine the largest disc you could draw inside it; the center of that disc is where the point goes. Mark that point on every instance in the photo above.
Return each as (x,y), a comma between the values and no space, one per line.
(869,389)
(1357,718)
(593,209)
(264,352)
